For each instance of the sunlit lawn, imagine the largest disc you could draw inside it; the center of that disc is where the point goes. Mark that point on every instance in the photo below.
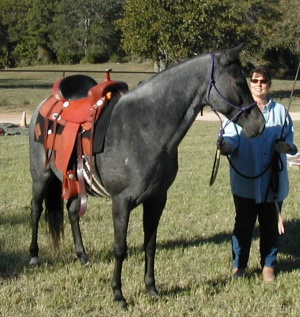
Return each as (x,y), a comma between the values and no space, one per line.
(23,91)
(193,262)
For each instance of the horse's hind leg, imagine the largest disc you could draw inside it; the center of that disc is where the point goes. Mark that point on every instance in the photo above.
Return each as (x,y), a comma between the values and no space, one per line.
(73,210)
(153,209)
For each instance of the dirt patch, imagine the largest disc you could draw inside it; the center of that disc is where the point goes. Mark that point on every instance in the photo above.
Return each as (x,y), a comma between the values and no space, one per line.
(15,117)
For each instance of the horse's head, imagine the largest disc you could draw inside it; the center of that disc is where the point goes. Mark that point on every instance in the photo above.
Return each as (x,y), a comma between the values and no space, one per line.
(229,94)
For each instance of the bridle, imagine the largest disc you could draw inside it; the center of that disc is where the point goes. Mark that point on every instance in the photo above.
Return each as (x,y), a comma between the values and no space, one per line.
(212,84)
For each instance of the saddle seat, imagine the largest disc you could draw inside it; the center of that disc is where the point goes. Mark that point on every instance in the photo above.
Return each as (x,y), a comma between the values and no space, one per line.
(73,108)
(73,87)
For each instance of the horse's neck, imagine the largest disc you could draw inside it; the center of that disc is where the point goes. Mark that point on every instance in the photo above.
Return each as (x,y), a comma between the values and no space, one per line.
(171,103)
(185,124)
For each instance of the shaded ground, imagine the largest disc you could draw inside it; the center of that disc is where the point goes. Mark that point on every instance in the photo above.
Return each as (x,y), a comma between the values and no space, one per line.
(16,118)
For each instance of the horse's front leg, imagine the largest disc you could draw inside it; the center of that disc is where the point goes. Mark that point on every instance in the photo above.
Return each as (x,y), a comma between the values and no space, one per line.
(36,211)
(153,209)
(73,210)
(120,213)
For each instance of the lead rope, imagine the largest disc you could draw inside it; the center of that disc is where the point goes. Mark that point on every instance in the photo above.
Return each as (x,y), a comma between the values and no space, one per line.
(280,223)
(276,168)
(216,164)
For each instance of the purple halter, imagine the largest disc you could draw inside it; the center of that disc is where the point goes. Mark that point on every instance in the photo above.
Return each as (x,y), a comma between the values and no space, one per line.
(212,83)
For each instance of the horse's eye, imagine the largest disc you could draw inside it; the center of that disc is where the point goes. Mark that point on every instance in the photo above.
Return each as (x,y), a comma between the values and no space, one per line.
(239,83)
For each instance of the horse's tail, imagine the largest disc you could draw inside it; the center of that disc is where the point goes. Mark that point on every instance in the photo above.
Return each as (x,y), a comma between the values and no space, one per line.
(54,210)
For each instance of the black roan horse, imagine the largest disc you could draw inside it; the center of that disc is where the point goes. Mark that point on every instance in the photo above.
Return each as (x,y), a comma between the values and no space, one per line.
(140,158)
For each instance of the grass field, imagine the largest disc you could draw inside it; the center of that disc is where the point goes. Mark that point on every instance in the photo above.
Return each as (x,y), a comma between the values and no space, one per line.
(193,263)
(23,91)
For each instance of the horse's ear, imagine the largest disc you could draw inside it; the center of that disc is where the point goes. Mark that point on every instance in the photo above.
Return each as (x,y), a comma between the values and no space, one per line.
(233,54)
(230,55)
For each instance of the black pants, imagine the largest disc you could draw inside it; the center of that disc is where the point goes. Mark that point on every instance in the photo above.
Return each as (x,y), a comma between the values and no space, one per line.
(247,211)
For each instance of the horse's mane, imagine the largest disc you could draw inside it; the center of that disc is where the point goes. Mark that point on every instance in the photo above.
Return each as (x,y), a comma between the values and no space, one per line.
(175,76)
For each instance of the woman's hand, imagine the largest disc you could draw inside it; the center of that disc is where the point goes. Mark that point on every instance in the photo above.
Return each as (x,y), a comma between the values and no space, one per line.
(282,147)
(225,148)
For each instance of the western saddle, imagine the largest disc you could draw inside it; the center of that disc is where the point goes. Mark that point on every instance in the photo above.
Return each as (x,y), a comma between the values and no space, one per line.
(75,106)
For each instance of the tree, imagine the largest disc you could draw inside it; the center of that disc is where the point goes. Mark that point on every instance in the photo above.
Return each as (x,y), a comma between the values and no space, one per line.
(69,31)
(73,31)
(13,15)
(27,26)
(4,62)
(287,32)
(180,28)
(281,47)
(39,19)
(88,30)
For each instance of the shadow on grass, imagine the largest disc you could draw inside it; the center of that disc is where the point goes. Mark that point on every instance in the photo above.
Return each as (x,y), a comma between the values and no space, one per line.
(12,264)
(289,243)
(290,246)
(166,291)
(26,83)
(15,83)
(7,219)
(281,94)
(196,241)
(28,86)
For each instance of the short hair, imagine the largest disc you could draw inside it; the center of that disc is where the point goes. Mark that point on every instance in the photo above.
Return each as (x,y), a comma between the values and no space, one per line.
(263,71)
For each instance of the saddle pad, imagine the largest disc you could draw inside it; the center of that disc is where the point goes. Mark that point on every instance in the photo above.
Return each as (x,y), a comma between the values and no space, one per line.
(102,124)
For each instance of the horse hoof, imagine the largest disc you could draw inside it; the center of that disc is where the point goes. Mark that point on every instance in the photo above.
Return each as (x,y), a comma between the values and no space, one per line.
(35,261)
(121,303)
(84,260)
(153,292)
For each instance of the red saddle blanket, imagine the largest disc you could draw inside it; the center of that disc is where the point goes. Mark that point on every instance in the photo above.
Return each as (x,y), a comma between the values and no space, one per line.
(75,106)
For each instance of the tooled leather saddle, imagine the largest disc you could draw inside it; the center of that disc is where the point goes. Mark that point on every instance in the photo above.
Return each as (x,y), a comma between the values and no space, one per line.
(69,114)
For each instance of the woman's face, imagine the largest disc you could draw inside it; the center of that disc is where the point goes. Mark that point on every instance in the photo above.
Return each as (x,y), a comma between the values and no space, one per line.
(259,86)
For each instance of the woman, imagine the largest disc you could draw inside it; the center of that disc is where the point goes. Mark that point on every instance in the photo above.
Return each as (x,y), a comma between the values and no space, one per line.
(255,197)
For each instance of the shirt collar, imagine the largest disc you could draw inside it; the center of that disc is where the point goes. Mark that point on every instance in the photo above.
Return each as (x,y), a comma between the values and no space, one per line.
(268,106)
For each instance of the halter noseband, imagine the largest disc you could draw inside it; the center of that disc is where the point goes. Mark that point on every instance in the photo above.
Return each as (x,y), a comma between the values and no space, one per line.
(212,83)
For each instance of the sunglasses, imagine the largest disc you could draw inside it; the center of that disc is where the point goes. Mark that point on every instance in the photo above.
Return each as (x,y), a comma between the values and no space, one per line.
(263,81)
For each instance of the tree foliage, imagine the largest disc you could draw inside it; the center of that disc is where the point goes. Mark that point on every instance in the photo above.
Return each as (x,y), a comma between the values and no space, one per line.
(88,30)
(69,31)
(73,31)
(181,28)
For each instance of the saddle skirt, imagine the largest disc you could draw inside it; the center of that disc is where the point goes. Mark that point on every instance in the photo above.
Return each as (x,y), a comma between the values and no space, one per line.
(73,109)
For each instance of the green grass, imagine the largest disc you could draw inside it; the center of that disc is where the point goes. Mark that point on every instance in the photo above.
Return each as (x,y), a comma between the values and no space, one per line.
(23,91)
(193,263)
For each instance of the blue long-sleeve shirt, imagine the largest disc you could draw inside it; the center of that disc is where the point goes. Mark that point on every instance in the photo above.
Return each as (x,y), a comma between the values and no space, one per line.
(252,156)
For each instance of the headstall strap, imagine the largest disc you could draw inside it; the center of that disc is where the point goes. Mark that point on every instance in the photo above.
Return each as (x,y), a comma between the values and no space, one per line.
(212,83)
